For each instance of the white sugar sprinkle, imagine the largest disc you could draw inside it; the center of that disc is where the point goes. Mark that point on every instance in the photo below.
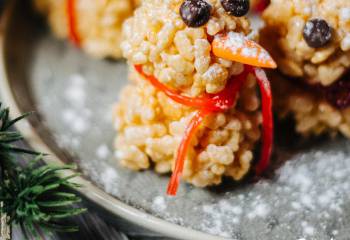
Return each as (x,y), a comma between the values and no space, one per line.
(159,204)
(345,43)
(108,178)
(102,151)
(308,229)
(79,125)
(259,210)
(344,14)
(75,92)
(77,115)
(308,28)
(68,115)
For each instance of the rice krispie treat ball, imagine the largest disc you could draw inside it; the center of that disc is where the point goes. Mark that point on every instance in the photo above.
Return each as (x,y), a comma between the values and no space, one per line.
(150,127)
(93,25)
(311,38)
(317,110)
(193,56)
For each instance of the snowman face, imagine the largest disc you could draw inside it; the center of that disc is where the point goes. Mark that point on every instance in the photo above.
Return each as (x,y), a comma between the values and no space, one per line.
(192,46)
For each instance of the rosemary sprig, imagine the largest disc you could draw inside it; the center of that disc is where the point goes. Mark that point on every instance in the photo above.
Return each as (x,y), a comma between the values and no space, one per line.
(35,197)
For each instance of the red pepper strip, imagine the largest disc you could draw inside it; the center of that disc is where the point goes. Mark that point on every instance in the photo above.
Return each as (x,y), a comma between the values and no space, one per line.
(211,102)
(183,149)
(267,141)
(72,23)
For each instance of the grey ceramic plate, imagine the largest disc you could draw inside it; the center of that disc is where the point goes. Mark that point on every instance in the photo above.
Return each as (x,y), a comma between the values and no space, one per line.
(73,95)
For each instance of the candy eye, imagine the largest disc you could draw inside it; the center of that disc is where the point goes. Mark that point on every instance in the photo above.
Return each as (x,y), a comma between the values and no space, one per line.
(237,8)
(195,13)
(317,33)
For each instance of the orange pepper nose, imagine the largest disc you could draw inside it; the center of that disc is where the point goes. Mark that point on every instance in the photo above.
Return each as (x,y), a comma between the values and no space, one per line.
(236,47)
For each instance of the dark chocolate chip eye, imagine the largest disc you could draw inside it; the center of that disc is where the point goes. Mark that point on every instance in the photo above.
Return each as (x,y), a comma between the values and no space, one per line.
(317,33)
(237,8)
(195,13)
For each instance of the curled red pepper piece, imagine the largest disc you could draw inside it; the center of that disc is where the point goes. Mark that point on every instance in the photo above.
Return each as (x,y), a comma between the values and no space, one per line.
(183,149)
(220,102)
(213,102)
(72,22)
(267,141)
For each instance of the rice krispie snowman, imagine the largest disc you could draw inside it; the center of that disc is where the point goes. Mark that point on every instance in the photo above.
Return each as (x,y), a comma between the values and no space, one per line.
(311,44)
(192,107)
(93,25)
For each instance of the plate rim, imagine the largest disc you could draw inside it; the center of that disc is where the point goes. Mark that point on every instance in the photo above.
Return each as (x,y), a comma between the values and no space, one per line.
(88,189)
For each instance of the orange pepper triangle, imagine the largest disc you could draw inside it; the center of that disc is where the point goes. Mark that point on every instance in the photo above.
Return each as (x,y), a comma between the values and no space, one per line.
(236,47)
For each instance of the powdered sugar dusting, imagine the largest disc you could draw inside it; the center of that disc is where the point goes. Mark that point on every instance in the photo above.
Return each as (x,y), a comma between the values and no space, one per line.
(76,116)
(259,209)
(300,188)
(235,42)
(109,177)
(307,191)
(75,92)
(214,222)
(75,120)
(307,229)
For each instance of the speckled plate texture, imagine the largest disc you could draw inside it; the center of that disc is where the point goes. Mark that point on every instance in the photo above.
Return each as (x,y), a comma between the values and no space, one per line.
(306,197)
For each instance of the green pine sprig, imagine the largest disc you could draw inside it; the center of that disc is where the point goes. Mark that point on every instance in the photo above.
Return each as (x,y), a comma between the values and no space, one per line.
(38,198)
(35,197)
(8,137)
